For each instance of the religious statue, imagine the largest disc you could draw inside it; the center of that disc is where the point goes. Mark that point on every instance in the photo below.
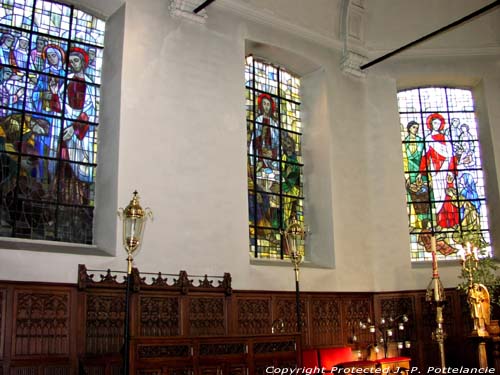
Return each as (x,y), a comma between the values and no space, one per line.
(479,301)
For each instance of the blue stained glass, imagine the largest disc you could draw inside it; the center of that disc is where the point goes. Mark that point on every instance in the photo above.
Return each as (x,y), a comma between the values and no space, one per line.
(87,28)
(16,13)
(52,18)
(50,72)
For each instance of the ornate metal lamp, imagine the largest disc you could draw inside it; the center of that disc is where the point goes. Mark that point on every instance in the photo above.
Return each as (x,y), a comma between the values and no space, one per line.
(134,219)
(295,235)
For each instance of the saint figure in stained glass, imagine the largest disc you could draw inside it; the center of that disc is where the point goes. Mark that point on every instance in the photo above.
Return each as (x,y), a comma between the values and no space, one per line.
(274,161)
(51,59)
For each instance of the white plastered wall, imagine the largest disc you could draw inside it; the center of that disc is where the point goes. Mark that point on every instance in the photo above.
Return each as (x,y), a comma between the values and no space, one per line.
(182,144)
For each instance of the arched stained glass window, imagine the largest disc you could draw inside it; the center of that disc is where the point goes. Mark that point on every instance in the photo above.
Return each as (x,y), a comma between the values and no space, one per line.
(274,135)
(443,171)
(51,57)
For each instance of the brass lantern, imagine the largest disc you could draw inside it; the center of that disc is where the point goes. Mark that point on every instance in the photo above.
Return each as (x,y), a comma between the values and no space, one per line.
(295,235)
(134,219)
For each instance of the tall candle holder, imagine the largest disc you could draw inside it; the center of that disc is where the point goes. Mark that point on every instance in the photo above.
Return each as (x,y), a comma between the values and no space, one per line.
(435,295)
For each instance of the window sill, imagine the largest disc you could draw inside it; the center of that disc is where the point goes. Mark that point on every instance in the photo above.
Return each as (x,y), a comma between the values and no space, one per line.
(52,247)
(285,263)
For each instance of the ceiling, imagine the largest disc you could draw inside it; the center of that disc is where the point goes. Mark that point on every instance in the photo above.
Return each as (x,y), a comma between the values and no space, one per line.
(379,26)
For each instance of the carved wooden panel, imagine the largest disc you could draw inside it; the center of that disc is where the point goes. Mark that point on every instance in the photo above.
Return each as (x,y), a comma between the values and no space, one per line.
(24,370)
(47,328)
(104,323)
(273,347)
(355,311)
(326,321)
(94,370)
(36,369)
(159,316)
(42,323)
(286,310)
(57,370)
(207,316)
(164,351)
(397,306)
(215,349)
(253,316)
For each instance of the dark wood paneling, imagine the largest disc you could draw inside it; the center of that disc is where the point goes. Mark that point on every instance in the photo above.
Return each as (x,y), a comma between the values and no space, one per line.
(252,315)
(42,323)
(159,315)
(207,316)
(49,329)
(103,322)
(326,321)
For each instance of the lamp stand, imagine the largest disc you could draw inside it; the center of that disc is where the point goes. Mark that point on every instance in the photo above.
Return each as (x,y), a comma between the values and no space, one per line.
(126,332)
(297,294)
(134,219)
(436,296)
(439,335)
(294,237)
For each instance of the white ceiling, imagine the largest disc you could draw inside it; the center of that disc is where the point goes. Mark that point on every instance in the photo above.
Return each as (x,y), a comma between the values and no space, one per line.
(384,25)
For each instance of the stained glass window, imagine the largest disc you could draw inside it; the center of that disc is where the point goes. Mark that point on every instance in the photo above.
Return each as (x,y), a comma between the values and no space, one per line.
(274,135)
(444,178)
(51,58)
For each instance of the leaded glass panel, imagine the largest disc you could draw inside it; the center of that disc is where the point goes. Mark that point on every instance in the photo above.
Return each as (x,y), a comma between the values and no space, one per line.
(274,136)
(51,60)
(445,187)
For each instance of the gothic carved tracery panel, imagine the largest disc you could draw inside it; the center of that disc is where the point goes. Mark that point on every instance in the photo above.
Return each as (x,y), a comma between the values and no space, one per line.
(254,316)
(159,316)
(42,324)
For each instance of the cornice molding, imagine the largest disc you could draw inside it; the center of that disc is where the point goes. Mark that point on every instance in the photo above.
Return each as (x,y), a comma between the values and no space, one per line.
(438,52)
(269,19)
(184,9)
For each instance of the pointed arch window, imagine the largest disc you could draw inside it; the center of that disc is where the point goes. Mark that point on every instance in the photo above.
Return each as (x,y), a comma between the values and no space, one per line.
(444,177)
(51,58)
(274,137)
